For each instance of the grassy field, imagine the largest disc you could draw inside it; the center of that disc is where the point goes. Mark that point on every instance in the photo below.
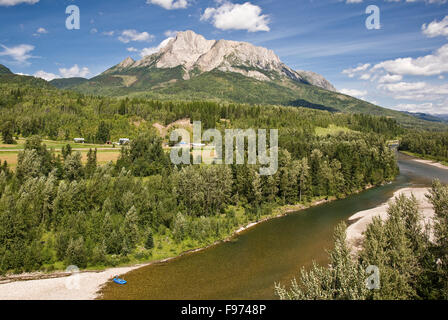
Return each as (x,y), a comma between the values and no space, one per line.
(105,152)
(57,145)
(331,130)
(103,156)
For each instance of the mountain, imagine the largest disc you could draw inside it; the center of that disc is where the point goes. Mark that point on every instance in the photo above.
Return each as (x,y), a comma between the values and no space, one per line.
(4,70)
(8,77)
(429,117)
(442,116)
(316,80)
(197,55)
(191,57)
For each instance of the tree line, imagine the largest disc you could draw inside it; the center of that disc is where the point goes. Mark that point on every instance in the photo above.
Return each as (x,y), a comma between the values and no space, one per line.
(426,144)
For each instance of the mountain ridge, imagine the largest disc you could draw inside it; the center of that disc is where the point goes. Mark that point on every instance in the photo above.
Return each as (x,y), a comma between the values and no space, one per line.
(5,70)
(197,55)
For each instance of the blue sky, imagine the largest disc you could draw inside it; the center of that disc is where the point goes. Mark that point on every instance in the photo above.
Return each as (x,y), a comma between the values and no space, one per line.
(403,65)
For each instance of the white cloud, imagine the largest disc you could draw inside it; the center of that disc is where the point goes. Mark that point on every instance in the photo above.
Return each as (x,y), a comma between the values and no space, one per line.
(7,3)
(426,107)
(46,75)
(74,71)
(409,1)
(132,49)
(404,86)
(365,76)
(429,65)
(436,28)
(109,33)
(354,92)
(351,72)
(230,16)
(93,30)
(133,35)
(170,33)
(390,78)
(416,91)
(413,107)
(149,51)
(42,30)
(416,96)
(169,4)
(19,53)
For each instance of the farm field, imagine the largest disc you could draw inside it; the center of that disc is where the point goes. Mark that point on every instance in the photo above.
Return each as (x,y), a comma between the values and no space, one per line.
(57,145)
(331,130)
(103,156)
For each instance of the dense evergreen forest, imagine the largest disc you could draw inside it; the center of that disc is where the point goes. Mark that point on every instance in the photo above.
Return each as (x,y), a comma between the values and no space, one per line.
(413,264)
(56,211)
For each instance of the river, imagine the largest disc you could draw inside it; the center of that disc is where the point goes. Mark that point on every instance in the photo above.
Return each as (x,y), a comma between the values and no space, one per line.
(274,251)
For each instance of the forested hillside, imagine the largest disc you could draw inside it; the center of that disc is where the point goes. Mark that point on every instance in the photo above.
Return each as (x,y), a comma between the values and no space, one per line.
(229,87)
(63,115)
(66,83)
(4,70)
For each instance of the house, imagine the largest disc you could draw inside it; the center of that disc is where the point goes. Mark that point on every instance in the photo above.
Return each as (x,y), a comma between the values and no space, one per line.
(79,140)
(123,141)
(181,144)
(195,145)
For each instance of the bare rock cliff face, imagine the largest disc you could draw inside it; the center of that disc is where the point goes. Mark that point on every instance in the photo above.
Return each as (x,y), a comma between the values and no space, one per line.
(316,80)
(197,55)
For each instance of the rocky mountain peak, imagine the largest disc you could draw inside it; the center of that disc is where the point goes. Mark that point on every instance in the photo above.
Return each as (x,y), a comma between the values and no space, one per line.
(316,80)
(184,50)
(126,63)
(194,52)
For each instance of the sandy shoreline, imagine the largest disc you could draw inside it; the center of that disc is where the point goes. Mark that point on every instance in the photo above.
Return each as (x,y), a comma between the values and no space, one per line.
(428,162)
(363,218)
(80,286)
(432,163)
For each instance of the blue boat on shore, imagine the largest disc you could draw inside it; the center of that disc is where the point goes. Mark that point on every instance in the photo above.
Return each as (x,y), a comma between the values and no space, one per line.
(119,281)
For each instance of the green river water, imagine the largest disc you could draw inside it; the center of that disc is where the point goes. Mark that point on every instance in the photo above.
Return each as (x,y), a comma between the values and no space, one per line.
(274,251)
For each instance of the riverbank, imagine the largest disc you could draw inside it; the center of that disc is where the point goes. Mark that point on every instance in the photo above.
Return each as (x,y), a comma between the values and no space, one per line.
(362,219)
(63,286)
(431,162)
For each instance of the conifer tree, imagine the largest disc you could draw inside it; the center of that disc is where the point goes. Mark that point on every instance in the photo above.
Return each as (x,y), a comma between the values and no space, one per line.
(149,243)
(7,133)
(91,164)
